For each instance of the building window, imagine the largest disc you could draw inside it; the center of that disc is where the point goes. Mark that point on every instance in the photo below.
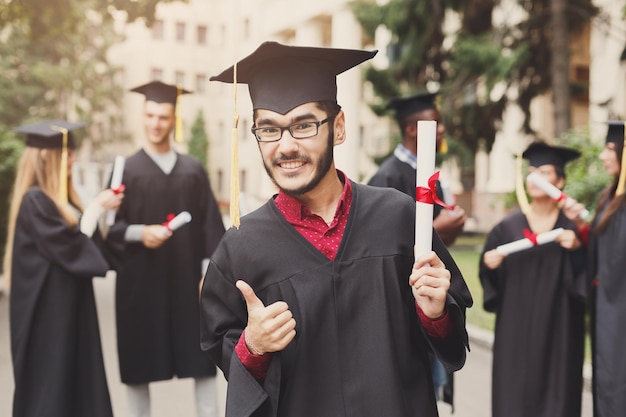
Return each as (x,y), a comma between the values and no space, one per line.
(244,130)
(156,74)
(180,78)
(200,83)
(220,181)
(201,35)
(157,30)
(180,31)
(242,180)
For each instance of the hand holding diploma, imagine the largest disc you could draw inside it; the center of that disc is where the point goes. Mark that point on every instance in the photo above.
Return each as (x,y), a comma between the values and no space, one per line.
(529,241)
(430,281)
(554,192)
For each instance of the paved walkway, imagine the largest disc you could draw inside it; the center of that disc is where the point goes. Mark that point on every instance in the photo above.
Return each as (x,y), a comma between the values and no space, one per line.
(175,398)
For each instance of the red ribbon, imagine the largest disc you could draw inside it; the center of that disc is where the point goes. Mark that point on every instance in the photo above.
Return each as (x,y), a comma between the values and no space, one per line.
(169,218)
(428,195)
(531,236)
(561,197)
(119,189)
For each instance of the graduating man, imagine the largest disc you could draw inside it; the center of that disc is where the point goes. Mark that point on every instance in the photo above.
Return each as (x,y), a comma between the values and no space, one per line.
(160,270)
(538,297)
(316,305)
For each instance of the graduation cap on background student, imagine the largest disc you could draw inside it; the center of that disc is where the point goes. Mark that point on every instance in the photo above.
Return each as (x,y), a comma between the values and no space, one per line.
(53,134)
(406,106)
(615,134)
(159,92)
(281,78)
(540,153)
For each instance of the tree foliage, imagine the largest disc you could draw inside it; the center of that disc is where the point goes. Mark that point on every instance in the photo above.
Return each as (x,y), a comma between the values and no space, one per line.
(474,66)
(199,142)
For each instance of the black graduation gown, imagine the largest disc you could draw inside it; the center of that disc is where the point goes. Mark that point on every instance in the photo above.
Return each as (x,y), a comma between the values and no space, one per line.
(538,298)
(359,348)
(55,339)
(610,318)
(157,289)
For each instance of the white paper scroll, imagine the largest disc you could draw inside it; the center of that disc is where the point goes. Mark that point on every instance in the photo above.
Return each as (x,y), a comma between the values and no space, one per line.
(181,219)
(426,145)
(116,181)
(522,244)
(552,191)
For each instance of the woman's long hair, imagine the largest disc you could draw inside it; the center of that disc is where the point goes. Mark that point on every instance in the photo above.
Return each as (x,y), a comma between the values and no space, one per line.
(41,168)
(614,204)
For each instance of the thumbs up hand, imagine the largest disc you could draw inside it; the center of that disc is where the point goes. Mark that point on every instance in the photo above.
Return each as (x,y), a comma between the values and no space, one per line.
(270,328)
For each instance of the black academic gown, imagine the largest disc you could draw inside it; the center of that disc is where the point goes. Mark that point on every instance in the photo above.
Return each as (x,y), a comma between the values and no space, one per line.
(157,289)
(610,318)
(538,298)
(359,348)
(55,339)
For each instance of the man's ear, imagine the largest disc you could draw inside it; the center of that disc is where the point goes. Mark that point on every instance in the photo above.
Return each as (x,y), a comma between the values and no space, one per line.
(339,128)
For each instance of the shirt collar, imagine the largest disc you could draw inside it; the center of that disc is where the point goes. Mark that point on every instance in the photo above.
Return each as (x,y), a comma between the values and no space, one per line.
(292,208)
(403,154)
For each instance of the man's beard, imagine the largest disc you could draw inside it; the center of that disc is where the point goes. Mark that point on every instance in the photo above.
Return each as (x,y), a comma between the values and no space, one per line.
(321,169)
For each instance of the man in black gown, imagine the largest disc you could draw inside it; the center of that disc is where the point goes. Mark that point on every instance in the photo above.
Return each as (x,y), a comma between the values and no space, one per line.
(316,305)
(160,270)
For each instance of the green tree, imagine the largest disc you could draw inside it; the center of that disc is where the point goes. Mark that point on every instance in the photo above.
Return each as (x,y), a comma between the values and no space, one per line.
(199,142)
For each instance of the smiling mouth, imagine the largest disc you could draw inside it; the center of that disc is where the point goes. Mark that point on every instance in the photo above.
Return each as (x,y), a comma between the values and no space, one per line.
(291,165)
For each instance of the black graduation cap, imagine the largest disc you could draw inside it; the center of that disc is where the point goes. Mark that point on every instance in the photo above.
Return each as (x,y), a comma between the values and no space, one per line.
(48,133)
(540,153)
(282,77)
(160,92)
(615,133)
(405,106)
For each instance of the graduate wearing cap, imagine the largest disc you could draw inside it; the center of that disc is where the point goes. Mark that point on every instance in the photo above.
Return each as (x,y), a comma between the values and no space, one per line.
(159,271)
(608,263)
(398,170)
(51,257)
(315,305)
(538,296)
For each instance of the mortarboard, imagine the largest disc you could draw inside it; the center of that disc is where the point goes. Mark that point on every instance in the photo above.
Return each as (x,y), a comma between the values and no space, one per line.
(160,92)
(53,134)
(615,134)
(405,106)
(282,77)
(540,153)
(44,135)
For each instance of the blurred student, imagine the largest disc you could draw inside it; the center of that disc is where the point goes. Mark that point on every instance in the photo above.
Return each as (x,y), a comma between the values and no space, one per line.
(538,296)
(51,258)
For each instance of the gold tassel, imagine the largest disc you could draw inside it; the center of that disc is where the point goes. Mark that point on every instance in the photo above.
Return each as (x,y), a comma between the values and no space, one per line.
(622,172)
(63,169)
(520,191)
(178,129)
(234,160)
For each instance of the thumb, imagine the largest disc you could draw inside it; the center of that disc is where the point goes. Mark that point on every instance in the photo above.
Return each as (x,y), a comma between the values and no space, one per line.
(252,301)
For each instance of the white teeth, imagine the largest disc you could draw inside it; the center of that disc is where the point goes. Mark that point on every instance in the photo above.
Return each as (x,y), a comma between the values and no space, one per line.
(291,165)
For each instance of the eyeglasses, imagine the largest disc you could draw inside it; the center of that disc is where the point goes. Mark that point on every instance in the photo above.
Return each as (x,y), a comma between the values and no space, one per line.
(300,130)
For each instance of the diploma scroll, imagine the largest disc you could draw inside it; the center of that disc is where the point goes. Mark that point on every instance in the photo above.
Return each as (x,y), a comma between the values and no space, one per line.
(427,134)
(181,219)
(523,244)
(552,191)
(116,182)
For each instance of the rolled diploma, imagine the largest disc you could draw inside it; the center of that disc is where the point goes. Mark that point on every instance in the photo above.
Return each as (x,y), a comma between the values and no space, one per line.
(552,191)
(427,134)
(181,219)
(522,244)
(116,181)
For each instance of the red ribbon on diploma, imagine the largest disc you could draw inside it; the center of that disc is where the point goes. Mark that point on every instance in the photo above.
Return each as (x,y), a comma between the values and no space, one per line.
(119,189)
(169,218)
(531,236)
(428,195)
